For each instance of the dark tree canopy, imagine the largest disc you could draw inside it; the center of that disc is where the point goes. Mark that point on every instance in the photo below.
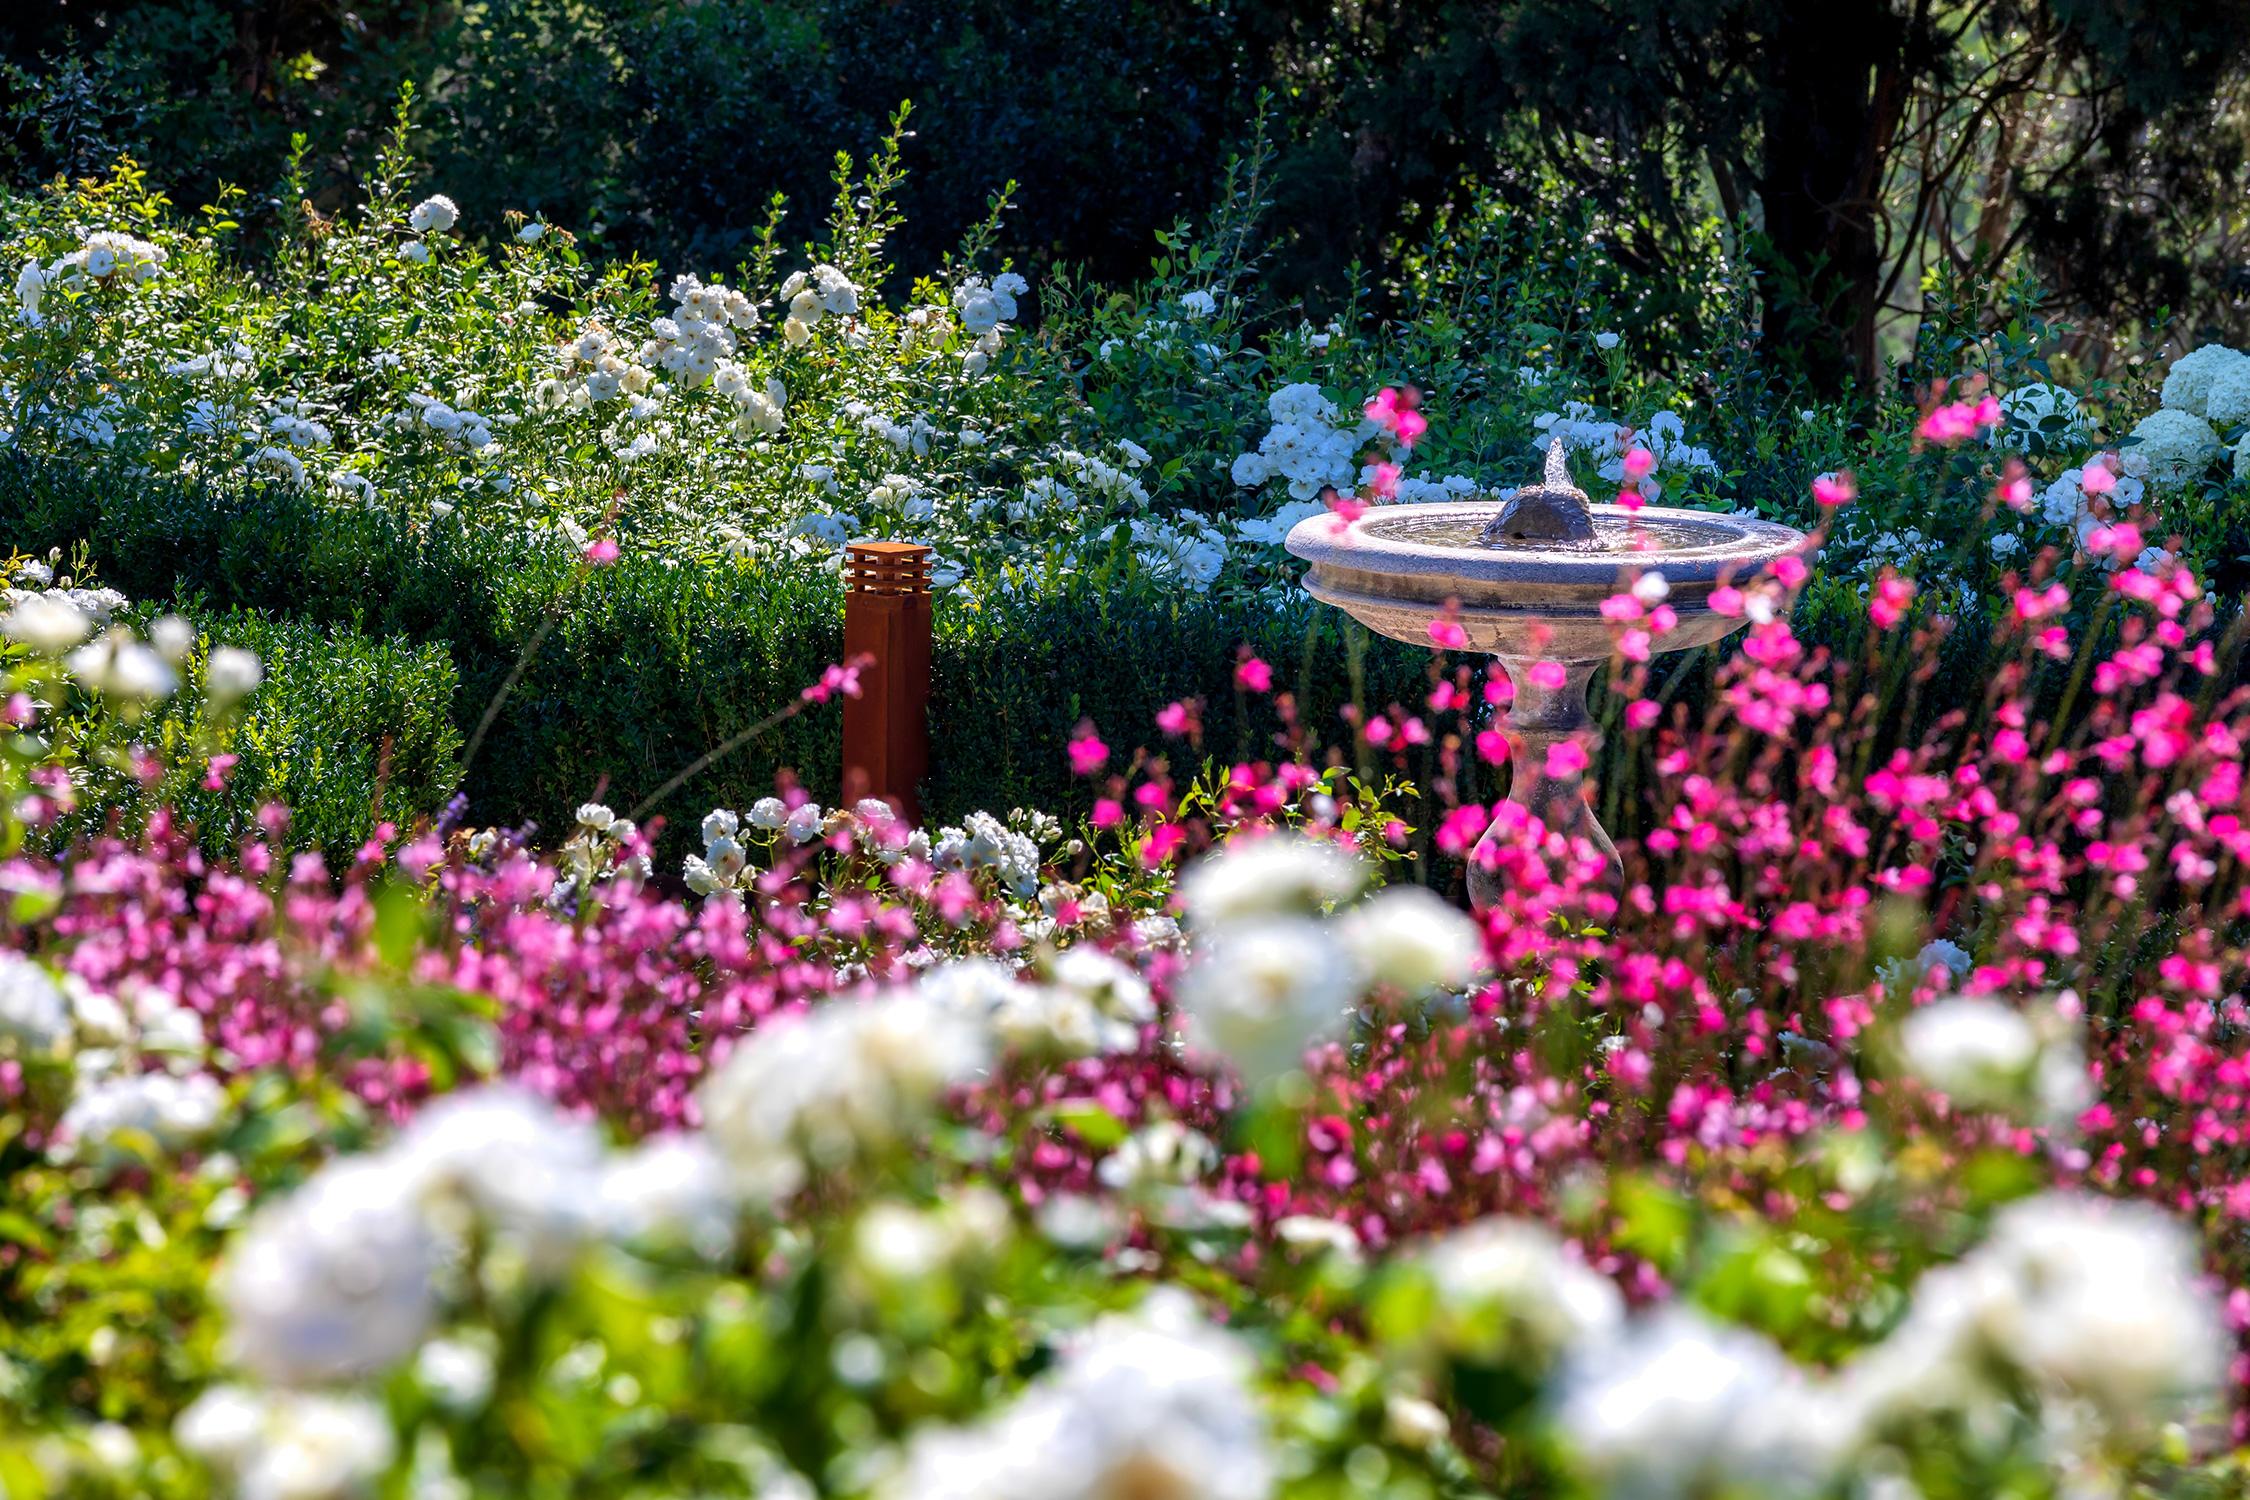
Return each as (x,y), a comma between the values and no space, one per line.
(1856,146)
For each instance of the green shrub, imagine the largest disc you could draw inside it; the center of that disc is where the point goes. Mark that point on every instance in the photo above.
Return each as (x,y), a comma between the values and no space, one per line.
(345,731)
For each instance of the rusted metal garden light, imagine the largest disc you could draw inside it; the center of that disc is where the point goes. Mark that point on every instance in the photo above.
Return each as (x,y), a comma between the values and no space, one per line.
(887,622)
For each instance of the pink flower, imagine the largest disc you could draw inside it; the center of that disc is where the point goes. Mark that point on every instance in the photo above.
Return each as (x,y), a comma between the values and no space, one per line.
(221,767)
(1726,600)
(602,552)
(1888,605)
(842,679)
(1393,411)
(1448,635)
(1383,480)
(1162,840)
(2095,478)
(1347,508)
(1087,753)
(1638,463)
(1174,718)
(1957,421)
(1833,490)
(1548,675)
(1566,758)
(1108,812)
(1641,713)
(1253,675)
(1629,499)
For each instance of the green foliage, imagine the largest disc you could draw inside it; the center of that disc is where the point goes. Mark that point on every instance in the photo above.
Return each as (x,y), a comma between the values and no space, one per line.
(345,731)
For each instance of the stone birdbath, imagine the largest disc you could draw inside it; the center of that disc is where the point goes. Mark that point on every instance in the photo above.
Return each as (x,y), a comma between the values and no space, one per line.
(1525,581)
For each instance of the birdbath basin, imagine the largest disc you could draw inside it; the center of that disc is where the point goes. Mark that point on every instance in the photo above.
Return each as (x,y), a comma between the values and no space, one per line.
(1525,581)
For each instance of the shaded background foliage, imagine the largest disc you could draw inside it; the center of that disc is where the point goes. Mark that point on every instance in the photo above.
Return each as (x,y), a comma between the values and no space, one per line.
(1853,149)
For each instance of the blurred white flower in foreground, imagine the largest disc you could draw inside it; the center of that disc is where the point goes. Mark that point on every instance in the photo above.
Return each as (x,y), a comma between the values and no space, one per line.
(1155,1404)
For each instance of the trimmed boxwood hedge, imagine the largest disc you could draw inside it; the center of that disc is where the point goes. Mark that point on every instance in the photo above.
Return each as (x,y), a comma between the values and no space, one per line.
(645,665)
(344,731)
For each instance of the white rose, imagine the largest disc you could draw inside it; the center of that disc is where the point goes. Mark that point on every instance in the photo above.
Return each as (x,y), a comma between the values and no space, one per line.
(433,215)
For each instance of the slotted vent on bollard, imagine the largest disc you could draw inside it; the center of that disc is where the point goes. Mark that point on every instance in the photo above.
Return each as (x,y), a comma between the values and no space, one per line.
(887,622)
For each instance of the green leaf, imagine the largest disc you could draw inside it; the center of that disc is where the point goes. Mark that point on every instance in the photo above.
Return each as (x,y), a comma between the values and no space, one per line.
(1091,1122)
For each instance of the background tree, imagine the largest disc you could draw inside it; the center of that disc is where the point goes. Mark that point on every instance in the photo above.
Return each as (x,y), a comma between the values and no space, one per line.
(1854,149)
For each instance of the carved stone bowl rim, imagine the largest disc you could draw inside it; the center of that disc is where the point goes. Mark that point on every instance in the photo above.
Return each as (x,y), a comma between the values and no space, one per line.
(1501,575)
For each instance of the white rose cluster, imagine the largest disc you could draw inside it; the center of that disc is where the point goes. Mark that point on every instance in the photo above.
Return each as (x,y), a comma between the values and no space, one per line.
(1508,1291)
(1309,446)
(139,1091)
(827,1090)
(592,370)
(456,427)
(1187,548)
(433,215)
(810,296)
(108,256)
(595,852)
(724,865)
(289,1445)
(984,842)
(1088,1003)
(1267,976)
(983,307)
(702,334)
(33,1013)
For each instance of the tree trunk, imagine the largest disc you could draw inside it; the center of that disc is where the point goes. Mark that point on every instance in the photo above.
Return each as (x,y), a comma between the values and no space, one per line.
(1836,87)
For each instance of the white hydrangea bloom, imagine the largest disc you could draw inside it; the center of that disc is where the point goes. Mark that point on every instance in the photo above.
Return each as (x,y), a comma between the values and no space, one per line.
(289,1445)
(1260,990)
(1407,937)
(335,1280)
(2177,445)
(1983,1053)
(2228,402)
(2187,385)
(1280,873)
(32,1009)
(824,1090)
(1510,1288)
(1154,1403)
(1682,1406)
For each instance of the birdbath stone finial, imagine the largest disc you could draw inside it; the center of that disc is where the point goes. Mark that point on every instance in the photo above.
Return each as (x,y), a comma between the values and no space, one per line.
(1553,510)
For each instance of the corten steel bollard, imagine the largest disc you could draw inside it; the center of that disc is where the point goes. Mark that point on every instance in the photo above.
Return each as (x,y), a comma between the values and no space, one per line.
(887,621)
